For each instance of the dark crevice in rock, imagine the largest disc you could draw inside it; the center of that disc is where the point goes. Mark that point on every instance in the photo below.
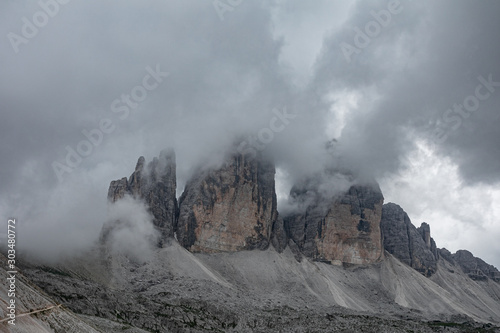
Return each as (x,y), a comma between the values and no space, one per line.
(410,245)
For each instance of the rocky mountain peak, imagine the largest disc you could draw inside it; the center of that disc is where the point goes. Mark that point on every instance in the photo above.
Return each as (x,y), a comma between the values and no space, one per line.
(425,232)
(415,247)
(475,268)
(155,184)
(140,163)
(342,227)
(230,208)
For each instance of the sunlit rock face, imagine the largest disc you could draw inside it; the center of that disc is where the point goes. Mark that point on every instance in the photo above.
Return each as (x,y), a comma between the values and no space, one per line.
(344,228)
(230,208)
(154,184)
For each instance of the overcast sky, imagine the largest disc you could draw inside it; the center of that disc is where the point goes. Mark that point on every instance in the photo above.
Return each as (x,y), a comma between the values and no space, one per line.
(410,90)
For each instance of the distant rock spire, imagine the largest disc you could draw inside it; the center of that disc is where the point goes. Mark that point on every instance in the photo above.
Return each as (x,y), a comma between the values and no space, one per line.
(156,185)
(413,246)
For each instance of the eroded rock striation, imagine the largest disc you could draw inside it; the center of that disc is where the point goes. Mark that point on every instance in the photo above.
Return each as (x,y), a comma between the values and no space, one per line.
(231,208)
(343,228)
(413,246)
(155,184)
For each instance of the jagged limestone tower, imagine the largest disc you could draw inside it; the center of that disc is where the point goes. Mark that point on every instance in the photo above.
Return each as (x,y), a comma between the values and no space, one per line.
(343,228)
(155,184)
(231,208)
(413,246)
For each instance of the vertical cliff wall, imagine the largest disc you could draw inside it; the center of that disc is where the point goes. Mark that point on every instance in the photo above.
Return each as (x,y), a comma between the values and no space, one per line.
(413,246)
(342,229)
(230,208)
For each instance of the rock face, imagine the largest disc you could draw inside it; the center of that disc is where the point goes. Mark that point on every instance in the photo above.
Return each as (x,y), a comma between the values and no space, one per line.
(425,232)
(340,229)
(155,184)
(279,238)
(475,267)
(413,246)
(232,208)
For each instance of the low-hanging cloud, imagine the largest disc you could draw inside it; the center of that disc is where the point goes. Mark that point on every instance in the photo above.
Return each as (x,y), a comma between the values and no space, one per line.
(130,229)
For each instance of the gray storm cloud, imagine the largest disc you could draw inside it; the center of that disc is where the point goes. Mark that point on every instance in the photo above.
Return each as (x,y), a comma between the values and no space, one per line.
(409,74)
(226,79)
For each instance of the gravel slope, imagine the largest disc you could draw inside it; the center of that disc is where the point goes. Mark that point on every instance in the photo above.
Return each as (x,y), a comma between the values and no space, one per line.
(264,291)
